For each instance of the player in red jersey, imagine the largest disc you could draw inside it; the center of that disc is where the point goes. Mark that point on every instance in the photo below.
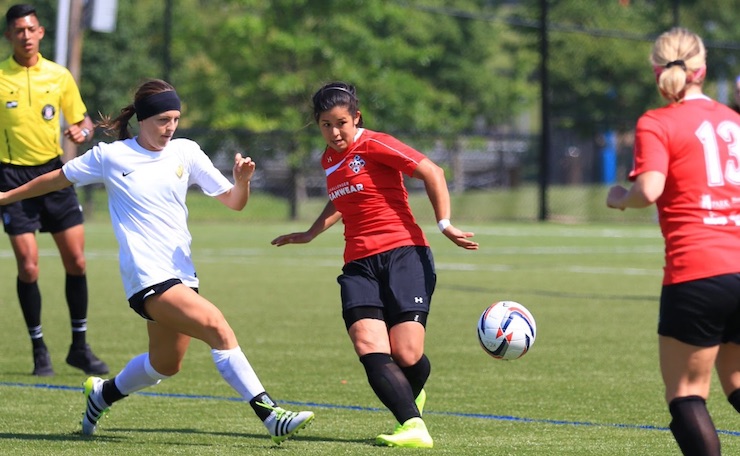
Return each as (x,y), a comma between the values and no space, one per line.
(388,277)
(687,162)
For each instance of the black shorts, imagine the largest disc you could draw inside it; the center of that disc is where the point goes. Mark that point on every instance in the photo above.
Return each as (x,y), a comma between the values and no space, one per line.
(704,312)
(136,301)
(392,286)
(52,213)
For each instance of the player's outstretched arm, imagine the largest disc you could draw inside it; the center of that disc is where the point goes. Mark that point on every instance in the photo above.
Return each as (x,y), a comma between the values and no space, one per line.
(46,183)
(328,217)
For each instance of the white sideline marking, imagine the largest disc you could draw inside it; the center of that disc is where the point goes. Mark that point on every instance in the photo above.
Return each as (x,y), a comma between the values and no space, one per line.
(332,258)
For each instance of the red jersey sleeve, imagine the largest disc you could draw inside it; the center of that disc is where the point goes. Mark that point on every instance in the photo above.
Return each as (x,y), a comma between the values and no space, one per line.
(651,152)
(395,154)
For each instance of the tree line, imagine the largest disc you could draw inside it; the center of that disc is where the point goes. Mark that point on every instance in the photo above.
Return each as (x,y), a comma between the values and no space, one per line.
(429,67)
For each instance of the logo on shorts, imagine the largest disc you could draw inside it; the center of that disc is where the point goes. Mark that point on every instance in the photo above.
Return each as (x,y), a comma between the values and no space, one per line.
(357,164)
(48,112)
(11,104)
(419,300)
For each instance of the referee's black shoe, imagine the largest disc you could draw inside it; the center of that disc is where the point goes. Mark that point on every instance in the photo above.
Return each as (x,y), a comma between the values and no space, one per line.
(84,359)
(42,363)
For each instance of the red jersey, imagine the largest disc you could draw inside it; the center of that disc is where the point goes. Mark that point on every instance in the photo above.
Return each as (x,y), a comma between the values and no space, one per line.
(365,183)
(696,145)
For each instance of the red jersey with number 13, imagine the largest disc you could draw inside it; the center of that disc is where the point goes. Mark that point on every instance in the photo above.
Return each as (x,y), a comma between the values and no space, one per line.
(365,183)
(696,145)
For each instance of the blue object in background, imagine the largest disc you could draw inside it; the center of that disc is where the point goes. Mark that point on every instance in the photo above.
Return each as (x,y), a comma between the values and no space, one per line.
(609,158)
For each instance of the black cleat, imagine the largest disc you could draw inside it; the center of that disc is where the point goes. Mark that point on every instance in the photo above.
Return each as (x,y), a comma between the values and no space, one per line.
(42,363)
(85,359)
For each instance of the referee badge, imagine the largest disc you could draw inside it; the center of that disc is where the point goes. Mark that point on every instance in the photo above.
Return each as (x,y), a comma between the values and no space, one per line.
(47,112)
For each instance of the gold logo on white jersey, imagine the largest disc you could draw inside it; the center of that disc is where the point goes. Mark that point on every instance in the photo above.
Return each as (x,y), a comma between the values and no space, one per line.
(179,171)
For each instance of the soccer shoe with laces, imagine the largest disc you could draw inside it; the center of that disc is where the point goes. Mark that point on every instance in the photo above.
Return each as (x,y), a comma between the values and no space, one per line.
(96,406)
(283,424)
(84,359)
(412,434)
(42,363)
(420,400)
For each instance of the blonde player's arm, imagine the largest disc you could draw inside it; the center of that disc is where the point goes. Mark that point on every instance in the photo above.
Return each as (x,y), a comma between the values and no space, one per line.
(46,183)
(646,189)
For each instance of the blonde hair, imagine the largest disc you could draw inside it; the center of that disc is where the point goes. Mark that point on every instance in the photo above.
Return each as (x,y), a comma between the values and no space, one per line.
(679,59)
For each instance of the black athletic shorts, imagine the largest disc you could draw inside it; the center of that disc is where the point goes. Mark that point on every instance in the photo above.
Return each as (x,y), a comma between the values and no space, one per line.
(136,301)
(52,213)
(392,286)
(703,312)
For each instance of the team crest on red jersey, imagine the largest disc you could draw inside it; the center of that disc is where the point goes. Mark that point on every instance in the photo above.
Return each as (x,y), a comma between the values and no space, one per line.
(357,164)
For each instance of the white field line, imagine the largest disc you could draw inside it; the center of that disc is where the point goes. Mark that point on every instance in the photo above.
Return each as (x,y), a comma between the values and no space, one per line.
(331,258)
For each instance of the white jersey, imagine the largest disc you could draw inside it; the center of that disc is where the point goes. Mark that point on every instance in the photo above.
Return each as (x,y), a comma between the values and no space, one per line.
(146,199)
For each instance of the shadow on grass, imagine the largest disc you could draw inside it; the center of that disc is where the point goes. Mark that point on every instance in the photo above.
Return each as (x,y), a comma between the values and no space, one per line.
(265,437)
(67,437)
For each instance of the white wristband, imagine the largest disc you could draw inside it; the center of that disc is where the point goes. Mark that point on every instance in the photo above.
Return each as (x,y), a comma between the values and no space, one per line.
(443,224)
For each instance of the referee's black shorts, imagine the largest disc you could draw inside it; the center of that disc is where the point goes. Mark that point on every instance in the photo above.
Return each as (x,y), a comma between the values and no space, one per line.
(703,312)
(392,286)
(52,213)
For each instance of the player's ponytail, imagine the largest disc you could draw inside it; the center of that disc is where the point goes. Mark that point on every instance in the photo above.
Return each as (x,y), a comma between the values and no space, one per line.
(679,59)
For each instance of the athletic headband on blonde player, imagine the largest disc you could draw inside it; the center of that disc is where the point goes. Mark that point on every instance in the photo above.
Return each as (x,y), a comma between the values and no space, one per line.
(156,104)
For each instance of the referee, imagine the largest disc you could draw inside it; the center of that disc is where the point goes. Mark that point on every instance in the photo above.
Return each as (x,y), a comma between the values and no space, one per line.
(34,92)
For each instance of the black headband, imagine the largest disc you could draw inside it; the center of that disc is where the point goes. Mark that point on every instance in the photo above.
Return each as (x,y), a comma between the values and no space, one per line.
(341,89)
(156,104)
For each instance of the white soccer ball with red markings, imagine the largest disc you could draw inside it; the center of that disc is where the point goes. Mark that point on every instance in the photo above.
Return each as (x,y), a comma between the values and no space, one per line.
(506,330)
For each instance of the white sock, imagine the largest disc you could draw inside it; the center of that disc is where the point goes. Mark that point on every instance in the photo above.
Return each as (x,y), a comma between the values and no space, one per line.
(238,373)
(137,375)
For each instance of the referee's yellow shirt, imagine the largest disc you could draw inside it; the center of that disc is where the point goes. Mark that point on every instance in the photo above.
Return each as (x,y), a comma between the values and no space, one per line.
(30,100)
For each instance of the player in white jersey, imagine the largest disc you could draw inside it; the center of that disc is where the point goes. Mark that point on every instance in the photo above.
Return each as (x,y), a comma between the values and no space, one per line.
(147,178)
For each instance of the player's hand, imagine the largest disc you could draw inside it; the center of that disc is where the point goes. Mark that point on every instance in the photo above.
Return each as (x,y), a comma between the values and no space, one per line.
(615,197)
(243,168)
(460,238)
(292,238)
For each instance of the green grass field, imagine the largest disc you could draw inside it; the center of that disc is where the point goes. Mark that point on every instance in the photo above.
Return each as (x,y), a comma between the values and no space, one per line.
(589,386)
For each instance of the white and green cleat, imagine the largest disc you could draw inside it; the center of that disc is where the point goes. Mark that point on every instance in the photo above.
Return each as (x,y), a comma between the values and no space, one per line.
(95,405)
(284,424)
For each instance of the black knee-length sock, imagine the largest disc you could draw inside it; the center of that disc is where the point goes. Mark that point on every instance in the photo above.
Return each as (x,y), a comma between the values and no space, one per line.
(29,297)
(76,293)
(734,399)
(693,428)
(418,374)
(390,385)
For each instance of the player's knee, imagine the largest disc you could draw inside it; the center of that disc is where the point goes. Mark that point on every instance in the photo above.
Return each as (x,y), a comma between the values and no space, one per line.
(407,356)
(219,335)
(28,272)
(76,266)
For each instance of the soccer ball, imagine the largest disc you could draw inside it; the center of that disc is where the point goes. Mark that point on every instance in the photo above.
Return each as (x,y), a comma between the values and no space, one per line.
(506,330)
